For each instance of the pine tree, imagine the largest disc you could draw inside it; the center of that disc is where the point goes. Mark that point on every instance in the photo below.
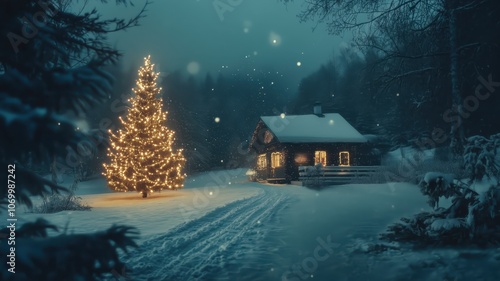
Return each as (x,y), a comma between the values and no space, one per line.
(52,63)
(141,154)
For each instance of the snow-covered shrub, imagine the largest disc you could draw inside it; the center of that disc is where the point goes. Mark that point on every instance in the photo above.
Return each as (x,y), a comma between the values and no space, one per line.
(480,158)
(474,215)
(414,229)
(60,202)
(314,171)
(313,175)
(436,185)
(484,214)
(428,228)
(65,201)
(448,230)
(251,174)
(438,225)
(482,166)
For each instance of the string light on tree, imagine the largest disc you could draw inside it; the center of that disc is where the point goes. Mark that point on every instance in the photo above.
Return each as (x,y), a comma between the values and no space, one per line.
(141,156)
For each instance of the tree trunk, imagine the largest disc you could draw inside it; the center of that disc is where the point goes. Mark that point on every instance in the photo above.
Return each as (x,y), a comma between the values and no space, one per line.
(144,194)
(53,171)
(457,129)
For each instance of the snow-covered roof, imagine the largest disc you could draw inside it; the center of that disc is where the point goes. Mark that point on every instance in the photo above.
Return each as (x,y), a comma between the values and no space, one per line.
(332,127)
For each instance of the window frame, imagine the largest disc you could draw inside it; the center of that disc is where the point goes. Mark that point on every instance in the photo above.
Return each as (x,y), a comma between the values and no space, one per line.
(262,162)
(277,157)
(321,153)
(348,158)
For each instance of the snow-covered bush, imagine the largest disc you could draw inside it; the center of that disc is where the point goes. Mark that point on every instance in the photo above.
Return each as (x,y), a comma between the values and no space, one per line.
(436,185)
(429,228)
(251,174)
(482,166)
(57,202)
(481,158)
(313,175)
(60,202)
(314,171)
(484,214)
(474,215)
(448,230)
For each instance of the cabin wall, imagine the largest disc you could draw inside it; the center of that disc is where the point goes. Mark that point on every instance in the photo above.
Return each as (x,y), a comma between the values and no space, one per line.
(269,172)
(296,155)
(304,154)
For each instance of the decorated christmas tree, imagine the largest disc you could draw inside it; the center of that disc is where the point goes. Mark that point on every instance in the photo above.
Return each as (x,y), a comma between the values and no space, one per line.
(141,156)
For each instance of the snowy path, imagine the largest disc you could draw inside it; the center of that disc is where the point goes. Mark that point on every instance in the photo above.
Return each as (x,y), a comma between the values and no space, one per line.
(199,249)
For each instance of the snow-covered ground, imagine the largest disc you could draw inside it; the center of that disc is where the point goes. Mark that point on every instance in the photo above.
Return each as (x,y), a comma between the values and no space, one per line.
(154,215)
(221,227)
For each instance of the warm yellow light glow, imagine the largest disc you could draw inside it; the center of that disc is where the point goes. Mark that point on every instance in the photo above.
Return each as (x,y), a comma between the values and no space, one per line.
(300,158)
(320,157)
(344,158)
(276,159)
(141,157)
(261,162)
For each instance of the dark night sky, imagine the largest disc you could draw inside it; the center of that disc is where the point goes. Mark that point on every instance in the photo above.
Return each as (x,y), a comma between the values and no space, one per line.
(191,34)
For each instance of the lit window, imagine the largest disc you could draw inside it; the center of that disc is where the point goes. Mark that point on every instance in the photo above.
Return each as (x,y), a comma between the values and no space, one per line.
(276,159)
(344,158)
(320,157)
(261,162)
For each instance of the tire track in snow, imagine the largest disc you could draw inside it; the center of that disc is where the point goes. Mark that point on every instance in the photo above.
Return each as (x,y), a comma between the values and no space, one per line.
(205,245)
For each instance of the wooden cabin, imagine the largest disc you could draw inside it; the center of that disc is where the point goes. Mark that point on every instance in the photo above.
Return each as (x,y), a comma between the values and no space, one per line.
(286,142)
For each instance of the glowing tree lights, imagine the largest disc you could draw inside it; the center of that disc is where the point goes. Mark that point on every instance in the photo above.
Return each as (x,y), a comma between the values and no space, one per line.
(141,156)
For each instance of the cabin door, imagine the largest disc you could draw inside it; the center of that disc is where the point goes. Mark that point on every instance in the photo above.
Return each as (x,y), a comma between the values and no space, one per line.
(262,167)
(277,165)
